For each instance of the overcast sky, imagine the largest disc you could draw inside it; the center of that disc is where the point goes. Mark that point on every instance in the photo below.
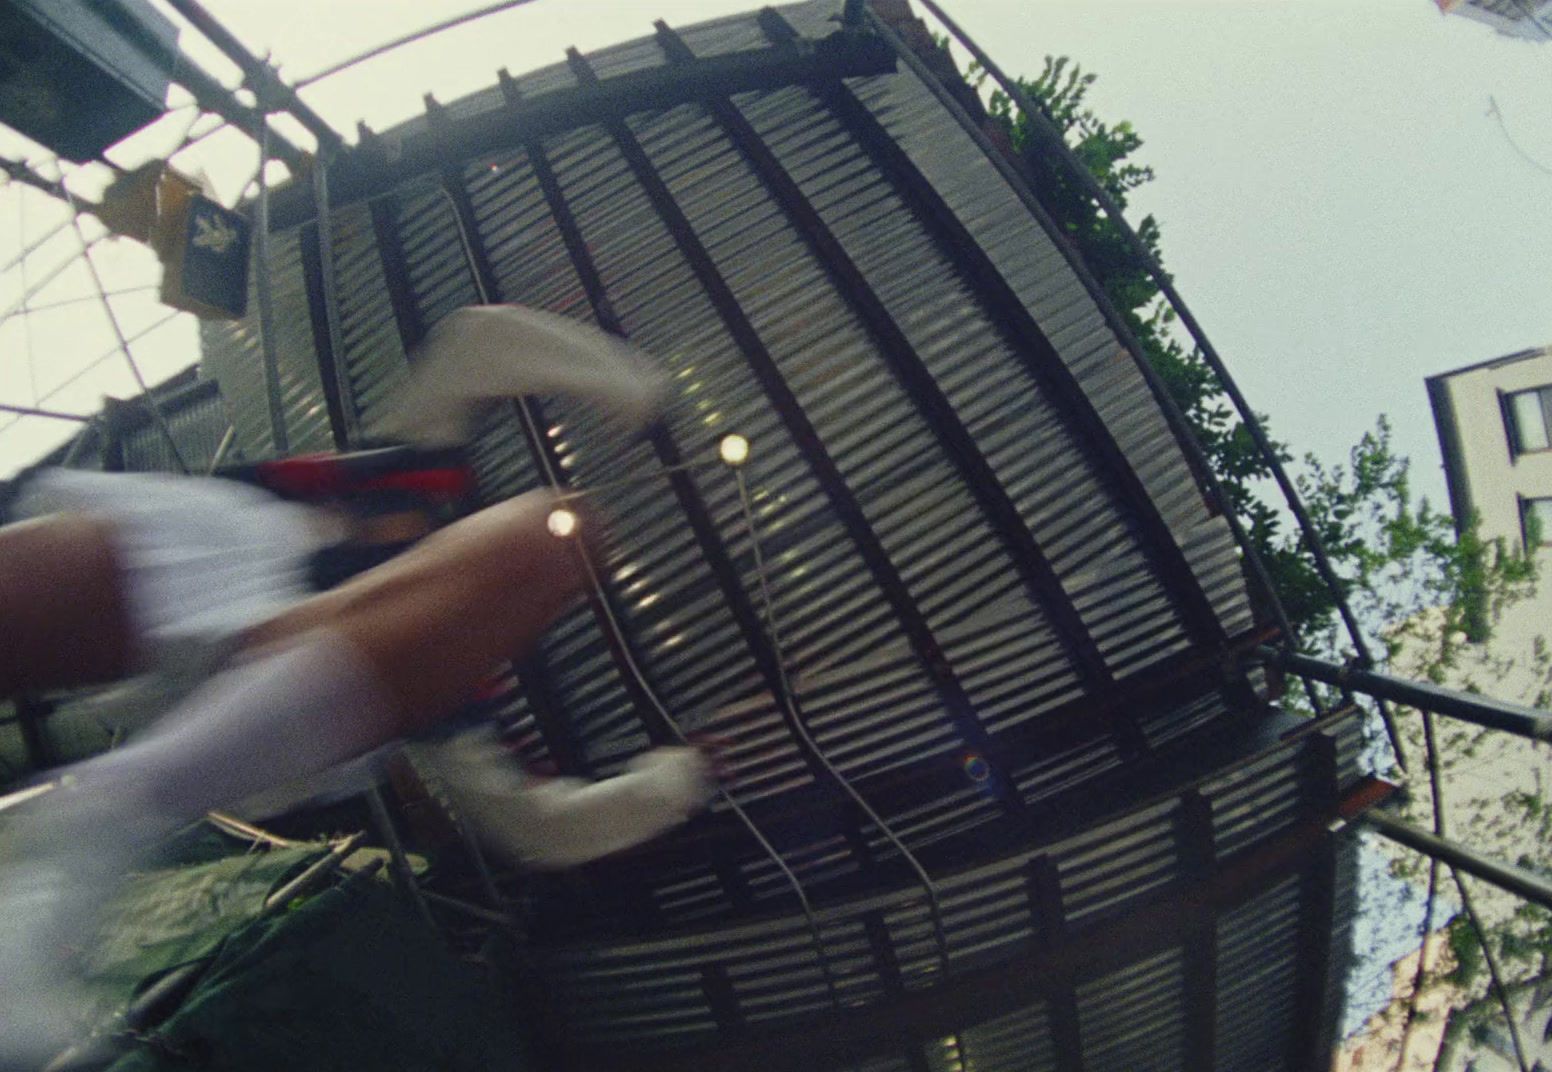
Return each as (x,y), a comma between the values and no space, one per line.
(1338,207)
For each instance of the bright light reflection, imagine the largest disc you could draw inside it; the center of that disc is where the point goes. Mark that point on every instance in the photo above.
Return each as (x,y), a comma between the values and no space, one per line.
(734,450)
(564,523)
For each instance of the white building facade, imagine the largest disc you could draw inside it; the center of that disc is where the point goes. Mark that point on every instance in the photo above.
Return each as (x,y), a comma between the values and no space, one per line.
(1495,432)
(1494,421)
(1528,19)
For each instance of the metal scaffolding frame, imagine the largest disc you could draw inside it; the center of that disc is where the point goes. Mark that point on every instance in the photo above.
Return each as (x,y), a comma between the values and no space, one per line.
(365,173)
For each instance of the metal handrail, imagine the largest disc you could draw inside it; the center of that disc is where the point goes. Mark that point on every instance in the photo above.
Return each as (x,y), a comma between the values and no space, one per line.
(1527,885)
(1522,721)
(1053,141)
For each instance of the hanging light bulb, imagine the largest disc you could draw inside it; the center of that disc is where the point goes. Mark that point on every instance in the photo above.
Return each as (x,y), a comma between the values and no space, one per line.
(734,450)
(564,523)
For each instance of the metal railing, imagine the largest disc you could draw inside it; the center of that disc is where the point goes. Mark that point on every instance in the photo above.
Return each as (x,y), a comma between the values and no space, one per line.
(1430,700)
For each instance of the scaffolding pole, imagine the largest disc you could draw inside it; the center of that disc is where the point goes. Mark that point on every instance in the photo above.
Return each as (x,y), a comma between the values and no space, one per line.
(1483,711)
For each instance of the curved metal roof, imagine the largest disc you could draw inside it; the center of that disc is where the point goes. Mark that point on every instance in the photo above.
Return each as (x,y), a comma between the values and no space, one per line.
(1008,607)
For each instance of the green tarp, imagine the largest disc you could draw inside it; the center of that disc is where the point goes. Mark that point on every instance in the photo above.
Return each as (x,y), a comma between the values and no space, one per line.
(351,979)
(177,914)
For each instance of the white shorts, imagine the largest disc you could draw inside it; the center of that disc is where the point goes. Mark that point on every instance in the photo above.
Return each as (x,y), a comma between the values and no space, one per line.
(203,558)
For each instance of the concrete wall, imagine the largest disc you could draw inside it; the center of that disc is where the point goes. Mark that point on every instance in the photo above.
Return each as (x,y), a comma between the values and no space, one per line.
(1493,475)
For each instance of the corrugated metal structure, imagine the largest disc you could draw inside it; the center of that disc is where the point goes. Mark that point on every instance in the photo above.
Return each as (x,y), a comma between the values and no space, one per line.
(1015,624)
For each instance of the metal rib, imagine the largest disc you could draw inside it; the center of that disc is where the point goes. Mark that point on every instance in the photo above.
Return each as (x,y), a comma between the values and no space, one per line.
(646,174)
(918,632)
(531,416)
(1158,542)
(1058,146)
(1179,427)
(660,716)
(702,527)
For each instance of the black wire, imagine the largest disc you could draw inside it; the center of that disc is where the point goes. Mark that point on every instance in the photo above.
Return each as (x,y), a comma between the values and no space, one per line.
(1495,112)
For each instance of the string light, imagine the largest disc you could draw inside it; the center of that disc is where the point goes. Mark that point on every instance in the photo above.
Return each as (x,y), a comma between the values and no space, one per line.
(564,523)
(734,450)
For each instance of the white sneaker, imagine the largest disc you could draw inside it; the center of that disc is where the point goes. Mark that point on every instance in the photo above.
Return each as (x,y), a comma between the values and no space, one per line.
(481,354)
(554,823)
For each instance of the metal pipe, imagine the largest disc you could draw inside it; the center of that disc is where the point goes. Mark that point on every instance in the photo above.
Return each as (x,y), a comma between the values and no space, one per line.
(260,76)
(1499,990)
(1436,787)
(214,97)
(372,53)
(1524,884)
(1420,976)
(222,449)
(1052,138)
(407,39)
(400,859)
(32,411)
(1480,710)
(157,417)
(347,400)
(280,440)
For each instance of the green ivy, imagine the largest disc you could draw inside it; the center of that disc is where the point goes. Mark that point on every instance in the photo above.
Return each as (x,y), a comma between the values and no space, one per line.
(1392,555)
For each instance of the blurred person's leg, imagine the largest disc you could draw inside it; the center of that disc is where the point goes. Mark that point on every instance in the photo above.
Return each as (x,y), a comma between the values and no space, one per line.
(389,652)
(143,563)
(432,623)
(386,654)
(63,616)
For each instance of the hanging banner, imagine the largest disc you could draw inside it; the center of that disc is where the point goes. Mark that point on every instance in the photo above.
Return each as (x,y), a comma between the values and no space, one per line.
(203,246)
(204,251)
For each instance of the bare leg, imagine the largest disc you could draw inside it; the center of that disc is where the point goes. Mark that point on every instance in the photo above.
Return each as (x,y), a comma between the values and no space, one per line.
(65,617)
(393,650)
(434,622)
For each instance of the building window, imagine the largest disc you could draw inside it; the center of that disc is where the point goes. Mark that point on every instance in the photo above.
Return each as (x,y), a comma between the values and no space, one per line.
(1536,518)
(1529,415)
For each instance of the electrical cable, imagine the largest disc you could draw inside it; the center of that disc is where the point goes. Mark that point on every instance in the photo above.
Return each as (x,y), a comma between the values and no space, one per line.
(933,904)
(263,290)
(98,361)
(531,427)
(1497,113)
(157,417)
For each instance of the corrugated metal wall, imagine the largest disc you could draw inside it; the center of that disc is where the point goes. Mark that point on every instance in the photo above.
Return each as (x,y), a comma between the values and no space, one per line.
(652,991)
(233,357)
(982,530)
(994,633)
